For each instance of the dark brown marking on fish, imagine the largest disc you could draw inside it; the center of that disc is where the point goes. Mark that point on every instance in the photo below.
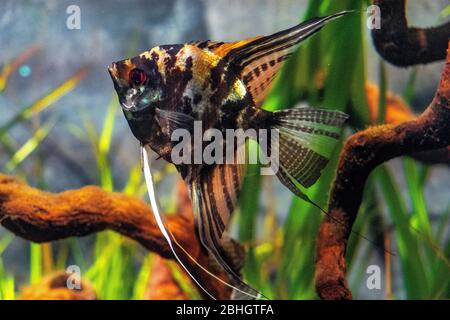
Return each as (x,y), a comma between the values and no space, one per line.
(221,86)
(229,119)
(216,75)
(187,105)
(256,71)
(203,44)
(248,77)
(206,45)
(176,82)
(236,180)
(226,192)
(209,195)
(155,56)
(251,60)
(213,209)
(269,48)
(197,98)
(215,45)
(172,51)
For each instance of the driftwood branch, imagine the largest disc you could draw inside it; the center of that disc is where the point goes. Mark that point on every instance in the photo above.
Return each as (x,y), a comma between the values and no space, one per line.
(54,287)
(405,46)
(362,153)
(397,111)
(162,285)
(41,216)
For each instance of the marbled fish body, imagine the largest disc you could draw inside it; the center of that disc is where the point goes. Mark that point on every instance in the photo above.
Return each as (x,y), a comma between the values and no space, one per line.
(189,80)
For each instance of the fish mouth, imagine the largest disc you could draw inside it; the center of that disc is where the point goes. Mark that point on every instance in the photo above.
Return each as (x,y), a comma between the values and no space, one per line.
(126,107)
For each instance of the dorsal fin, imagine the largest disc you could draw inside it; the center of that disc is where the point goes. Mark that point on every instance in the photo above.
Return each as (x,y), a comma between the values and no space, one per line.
(258,59)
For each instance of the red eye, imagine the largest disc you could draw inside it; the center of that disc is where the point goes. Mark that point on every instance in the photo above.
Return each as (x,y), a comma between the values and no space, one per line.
(138,77)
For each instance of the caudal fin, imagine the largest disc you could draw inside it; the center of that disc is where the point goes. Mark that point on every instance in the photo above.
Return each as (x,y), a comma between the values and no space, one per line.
(306,140)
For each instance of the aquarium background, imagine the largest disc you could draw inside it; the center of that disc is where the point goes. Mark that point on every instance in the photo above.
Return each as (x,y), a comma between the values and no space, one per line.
(64,130)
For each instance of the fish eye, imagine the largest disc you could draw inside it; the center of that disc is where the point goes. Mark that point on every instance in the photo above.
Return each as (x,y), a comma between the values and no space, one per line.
(137,77)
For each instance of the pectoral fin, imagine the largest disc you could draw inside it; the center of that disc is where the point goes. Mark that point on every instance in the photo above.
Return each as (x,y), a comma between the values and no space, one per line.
(172,120)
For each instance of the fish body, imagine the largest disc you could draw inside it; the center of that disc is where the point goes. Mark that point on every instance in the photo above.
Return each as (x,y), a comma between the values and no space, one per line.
(222,86)
(188,80)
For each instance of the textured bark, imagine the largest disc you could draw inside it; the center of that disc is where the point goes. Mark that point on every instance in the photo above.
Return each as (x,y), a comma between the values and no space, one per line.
(162,285)
(54,287)
(405,46)
(397,111)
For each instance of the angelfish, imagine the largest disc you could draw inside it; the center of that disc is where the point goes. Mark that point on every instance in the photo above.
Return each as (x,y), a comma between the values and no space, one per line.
(223,85)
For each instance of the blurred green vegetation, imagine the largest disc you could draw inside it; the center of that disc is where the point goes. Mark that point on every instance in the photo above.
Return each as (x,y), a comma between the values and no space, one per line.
(329,71)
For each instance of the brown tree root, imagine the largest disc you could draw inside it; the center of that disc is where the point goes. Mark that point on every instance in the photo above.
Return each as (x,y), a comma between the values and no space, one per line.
(362,153)
(406,46)
(162,285)
(54,287)
(41,216)
(397,111)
